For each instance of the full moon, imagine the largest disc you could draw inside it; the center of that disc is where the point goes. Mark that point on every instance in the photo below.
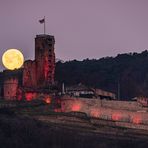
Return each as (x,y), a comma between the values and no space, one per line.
(12,59)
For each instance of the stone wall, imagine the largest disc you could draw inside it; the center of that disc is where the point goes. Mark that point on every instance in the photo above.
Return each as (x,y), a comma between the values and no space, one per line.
(10,88)
(29,74)
(124,105)
(45,60)
(12,79)
(121,111)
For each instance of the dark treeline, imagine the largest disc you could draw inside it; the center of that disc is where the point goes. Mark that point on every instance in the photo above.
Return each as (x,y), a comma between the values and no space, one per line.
(130,71)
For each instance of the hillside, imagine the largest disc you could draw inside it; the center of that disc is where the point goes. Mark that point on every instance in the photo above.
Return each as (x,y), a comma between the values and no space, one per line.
(20,130)
(129,70)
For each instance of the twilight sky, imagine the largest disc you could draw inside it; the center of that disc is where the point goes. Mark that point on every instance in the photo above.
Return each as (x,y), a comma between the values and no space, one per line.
(82,28)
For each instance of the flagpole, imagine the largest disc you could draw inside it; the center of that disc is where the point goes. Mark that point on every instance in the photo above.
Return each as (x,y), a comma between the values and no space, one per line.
(44,26)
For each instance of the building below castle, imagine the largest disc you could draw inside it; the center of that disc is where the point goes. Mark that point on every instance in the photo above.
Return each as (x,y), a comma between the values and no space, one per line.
(36,77)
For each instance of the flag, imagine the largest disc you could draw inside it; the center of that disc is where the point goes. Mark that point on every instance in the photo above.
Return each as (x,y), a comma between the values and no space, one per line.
(42,20)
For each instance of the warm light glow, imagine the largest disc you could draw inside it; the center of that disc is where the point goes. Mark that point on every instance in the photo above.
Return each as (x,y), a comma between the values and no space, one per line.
(12,59)
(30,96)
(76,107)
(116,116)
(58,110)
(95,113)
(47,100)
(137,119)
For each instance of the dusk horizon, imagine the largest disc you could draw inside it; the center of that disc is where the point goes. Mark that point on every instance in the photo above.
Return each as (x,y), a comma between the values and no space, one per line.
(74,73)
(82,29)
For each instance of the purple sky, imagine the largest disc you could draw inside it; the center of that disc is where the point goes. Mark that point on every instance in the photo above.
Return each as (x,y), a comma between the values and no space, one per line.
(82,28)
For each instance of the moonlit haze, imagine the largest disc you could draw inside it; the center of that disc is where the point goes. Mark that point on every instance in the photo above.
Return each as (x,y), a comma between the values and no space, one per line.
(82,28)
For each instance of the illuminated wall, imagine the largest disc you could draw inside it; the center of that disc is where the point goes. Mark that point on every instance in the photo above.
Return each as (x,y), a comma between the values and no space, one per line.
(40,72)
(45,60)
(130,112)
(35,75)
(29,74)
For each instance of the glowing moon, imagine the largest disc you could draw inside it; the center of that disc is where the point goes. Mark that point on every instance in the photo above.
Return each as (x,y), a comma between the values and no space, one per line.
(12,59)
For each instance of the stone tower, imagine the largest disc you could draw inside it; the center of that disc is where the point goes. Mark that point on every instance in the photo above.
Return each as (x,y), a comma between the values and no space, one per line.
(12,80)
(45,60)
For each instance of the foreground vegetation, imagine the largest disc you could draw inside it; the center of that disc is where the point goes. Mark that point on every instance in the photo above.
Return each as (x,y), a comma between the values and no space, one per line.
(20,131)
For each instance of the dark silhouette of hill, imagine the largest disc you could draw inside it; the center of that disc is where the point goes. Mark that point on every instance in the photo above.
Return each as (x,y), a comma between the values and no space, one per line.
(129,70)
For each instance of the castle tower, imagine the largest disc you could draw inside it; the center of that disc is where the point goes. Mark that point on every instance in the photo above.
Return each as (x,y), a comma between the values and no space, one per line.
(12,80)
(45,60)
